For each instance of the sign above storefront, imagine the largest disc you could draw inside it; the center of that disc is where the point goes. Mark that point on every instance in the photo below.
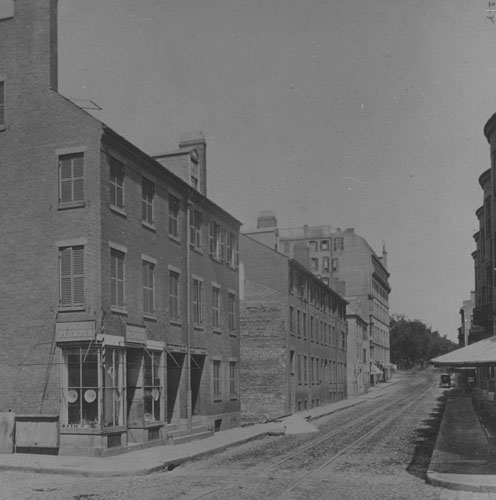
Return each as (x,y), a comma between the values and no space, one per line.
(136,334)
(75,331)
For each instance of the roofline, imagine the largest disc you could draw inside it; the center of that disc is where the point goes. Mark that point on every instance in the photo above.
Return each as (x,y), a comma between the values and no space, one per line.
(138,152)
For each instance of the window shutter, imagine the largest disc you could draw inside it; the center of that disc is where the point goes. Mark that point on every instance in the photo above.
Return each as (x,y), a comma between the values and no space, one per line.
(65,179)
(78,270)
(65,277)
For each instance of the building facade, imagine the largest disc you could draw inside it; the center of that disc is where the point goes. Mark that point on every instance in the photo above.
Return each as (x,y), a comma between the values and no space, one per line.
(293,335)
(118,276)
(338,257)
(483,313)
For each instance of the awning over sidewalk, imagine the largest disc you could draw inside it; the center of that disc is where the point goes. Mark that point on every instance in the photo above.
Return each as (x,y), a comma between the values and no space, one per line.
(374,370)
(479,353)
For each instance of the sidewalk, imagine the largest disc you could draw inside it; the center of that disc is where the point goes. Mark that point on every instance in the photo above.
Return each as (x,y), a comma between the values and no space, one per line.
(461,457)
(159,458)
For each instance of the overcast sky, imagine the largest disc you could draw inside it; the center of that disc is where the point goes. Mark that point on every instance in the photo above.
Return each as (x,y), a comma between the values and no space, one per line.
(364,114)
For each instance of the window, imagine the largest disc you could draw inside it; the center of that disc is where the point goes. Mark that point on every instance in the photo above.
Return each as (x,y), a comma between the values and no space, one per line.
(152,386)
(232,312)
(82,387)
(338,243)
(324,244)
(315,264)
(325,264)
(216,379)
(147,195)
(298,323)
(304,325)
(173,216)
(116,183)
(291,319)
(195,224)
(71,268)
(305,369)
(197,302)
(117,279)
(232,250)
(174,296)
(314,246)
(113,390)
(298,367)
(2,105)
(233,379)
(148,287)
(71,180)
(214,239)
(215,307)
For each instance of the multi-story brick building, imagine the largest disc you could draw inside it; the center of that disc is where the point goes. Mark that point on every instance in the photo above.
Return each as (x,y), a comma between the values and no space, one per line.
(342,258)
(293,335)
(118,276)
(483,313)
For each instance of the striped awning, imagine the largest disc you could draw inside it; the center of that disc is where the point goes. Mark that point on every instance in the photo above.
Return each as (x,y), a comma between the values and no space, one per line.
(479,353)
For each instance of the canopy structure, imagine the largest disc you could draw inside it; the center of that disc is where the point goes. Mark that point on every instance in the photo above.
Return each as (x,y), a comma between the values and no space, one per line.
(479,353)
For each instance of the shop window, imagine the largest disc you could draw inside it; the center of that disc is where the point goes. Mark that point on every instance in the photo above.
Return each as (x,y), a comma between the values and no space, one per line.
(113,392)
(81,392)
(152,387)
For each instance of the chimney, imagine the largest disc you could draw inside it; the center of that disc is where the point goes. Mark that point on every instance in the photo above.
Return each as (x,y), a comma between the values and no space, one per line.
(195,141)
(266,219)
(31,27)
(384,255)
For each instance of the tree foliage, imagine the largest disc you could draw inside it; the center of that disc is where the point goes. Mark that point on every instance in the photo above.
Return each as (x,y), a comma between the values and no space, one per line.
(413,343)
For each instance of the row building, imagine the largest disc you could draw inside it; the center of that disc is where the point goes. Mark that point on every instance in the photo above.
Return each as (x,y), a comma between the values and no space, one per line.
(118,275)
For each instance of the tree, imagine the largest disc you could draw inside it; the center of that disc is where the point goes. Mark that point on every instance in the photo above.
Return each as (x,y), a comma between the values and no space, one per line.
(413,343)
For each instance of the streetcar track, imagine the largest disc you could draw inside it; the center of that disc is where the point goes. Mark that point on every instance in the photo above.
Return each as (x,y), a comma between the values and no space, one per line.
(270,469)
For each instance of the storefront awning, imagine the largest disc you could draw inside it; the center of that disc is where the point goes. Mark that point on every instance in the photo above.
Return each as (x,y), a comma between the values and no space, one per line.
(479,353)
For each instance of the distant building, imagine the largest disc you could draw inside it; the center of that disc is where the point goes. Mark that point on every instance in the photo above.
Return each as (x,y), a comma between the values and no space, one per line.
(467,330)
(118,276)
(483,313)
(358,353)
(293,335)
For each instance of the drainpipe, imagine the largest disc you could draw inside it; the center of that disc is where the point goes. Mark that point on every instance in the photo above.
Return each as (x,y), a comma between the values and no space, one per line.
(189,416)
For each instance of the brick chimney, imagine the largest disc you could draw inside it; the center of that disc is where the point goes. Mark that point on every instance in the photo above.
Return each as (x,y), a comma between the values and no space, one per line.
(195,141)
(28,43)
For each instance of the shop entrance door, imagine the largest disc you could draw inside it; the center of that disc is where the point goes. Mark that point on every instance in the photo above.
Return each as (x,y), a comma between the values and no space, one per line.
(175,362)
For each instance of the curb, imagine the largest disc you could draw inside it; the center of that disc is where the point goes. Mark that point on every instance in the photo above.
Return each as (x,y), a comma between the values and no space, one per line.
(163,466)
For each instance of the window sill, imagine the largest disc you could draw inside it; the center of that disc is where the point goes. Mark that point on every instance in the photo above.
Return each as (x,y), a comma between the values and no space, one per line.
(233,334)
(200,328)
(72,308)
(217,331)
(69,206)
(117,310)
(149,226)
(174,322)
(119,211)
(233,398)
(196,249)
(175,239)
(217,400)
(150,317)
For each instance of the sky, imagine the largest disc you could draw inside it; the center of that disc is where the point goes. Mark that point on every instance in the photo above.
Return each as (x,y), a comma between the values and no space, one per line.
(364,114)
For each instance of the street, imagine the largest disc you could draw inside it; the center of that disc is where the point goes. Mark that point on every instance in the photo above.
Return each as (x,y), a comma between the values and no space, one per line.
(378,449)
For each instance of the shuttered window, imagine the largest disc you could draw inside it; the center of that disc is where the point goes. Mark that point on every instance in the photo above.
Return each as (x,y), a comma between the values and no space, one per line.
(71,261)
(117,279)
(2,104)
(71,175)
(148,287)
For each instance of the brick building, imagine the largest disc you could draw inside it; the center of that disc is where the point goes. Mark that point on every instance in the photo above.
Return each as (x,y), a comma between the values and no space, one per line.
(293,335)
(483,313)
(118,276)
(346,262)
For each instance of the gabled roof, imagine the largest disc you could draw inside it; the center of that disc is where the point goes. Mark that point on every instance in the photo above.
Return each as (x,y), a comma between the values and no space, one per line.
(479,353)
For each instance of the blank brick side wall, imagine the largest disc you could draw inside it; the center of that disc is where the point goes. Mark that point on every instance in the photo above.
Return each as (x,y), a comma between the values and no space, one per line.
(263,353)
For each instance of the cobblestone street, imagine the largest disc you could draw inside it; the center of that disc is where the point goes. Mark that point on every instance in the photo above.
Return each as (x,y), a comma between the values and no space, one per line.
(389,462)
